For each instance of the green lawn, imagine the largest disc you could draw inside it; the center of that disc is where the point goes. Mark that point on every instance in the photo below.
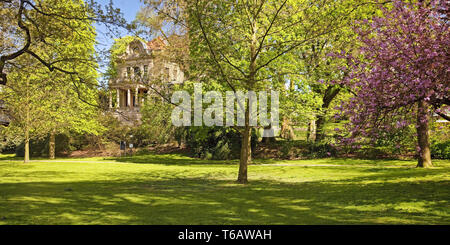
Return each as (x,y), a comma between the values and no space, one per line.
(173,189)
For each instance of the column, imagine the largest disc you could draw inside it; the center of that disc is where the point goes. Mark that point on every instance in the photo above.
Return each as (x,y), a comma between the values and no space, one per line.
(129,97)
(118,98)
(136,97)
(110,99)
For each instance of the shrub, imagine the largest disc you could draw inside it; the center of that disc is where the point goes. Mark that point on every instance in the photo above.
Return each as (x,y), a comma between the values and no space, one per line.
(320,150)
(440,150)
(217,143)
(40,147)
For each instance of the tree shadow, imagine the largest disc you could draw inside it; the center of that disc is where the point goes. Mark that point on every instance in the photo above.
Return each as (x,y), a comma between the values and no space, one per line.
(189,201)
(171,159)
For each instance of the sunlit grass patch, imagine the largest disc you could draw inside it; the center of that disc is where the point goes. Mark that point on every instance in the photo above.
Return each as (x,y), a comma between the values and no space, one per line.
(175,189)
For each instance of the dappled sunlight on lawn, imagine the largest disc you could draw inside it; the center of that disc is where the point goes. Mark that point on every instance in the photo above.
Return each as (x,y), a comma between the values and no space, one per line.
(191,191)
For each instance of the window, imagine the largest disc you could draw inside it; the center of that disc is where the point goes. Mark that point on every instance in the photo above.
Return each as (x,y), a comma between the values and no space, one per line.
(137,71)
(145,70)
(128,71)
(166,73)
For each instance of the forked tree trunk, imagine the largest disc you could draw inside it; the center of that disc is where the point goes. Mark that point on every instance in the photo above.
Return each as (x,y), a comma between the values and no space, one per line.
(423,135)
(246,150)
(51,145)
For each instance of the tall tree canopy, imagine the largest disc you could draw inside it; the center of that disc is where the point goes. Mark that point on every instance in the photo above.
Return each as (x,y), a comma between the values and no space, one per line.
(41,101)
(402,74)
(241,43)
(27,25)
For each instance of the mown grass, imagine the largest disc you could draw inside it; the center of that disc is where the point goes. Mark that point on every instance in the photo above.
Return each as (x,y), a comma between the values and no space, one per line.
(175,189)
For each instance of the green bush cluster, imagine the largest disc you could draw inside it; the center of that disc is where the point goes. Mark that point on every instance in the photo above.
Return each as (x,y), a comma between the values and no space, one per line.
(40,147)
(440,150)
(218,143)
(320,150)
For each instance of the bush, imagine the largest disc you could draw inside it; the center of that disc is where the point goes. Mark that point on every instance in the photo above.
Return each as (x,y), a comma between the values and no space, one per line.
(320,150)
(440,150)
(371,152)
(286,148)
(8,147)
(40,147)
(217,143)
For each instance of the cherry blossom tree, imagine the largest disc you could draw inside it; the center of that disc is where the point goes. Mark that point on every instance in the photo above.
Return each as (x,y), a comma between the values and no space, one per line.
(401,74)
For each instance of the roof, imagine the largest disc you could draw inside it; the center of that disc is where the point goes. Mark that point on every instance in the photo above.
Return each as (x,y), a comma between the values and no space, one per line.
(156,44)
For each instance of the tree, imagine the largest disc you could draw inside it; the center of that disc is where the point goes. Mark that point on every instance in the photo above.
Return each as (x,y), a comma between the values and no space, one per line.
(27,24)
(22,100)
(317,68)
(42,102)
(247,45)
(402,74)
(239,43)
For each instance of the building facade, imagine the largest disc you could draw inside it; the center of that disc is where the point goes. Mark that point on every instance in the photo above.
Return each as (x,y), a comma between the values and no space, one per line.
(140,69)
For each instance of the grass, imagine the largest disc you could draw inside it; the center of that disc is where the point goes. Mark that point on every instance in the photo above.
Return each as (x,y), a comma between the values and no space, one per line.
(174,189)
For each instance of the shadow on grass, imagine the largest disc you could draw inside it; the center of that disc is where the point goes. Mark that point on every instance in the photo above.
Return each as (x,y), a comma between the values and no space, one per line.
(205,201)
(171,159)
(10,157)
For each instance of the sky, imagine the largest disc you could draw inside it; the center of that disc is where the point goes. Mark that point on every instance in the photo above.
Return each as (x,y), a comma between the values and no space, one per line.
(129,8)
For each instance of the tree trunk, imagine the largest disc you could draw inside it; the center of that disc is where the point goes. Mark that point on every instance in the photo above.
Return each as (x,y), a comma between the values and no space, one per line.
(330,93)
(26,156)
(51,145)
(423,136)
(311,134)
(246,155)
(27,148)
(268,140)
(320,123)
(287,132)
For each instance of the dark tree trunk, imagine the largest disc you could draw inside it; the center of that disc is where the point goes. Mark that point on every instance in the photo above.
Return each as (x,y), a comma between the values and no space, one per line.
(320,123)
(311,134)
(423,135)
(330,93)
(268,140)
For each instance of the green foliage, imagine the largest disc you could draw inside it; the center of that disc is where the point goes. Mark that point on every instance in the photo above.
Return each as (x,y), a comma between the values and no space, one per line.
(286,148)
(397,140)
(320,150)
(40,101)
(115,131)
(156,124)
(440,150)
(215,142)
(39,147)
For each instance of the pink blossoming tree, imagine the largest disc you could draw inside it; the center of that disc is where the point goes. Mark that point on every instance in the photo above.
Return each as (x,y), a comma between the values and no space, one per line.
(401,74)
